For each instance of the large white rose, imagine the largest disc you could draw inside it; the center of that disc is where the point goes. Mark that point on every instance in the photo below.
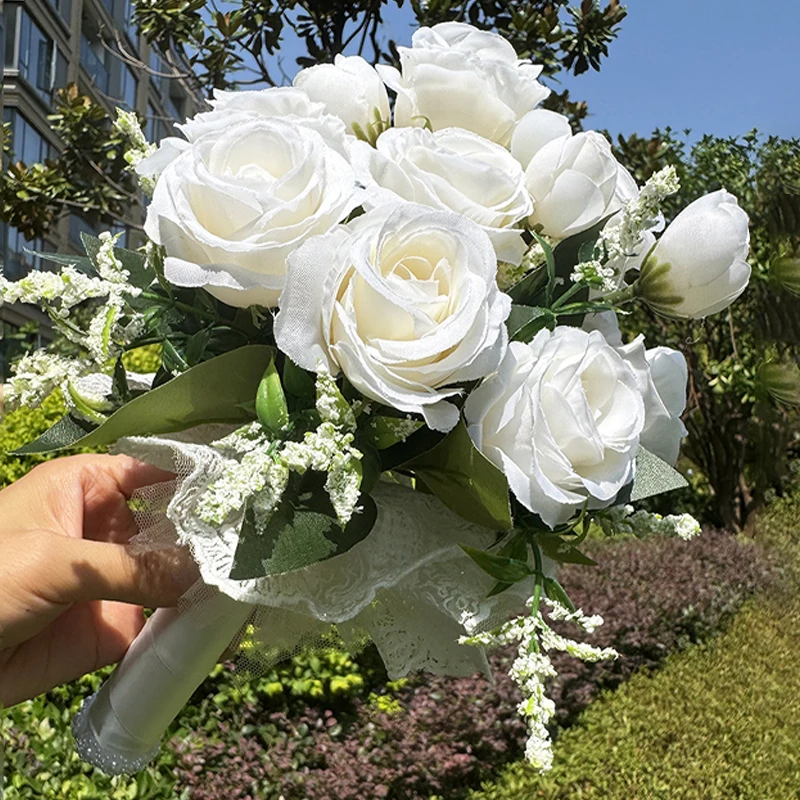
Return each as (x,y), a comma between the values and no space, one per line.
(561,418)
(286,102)
(573,184)
(456,76)
(350,89)
(456,170)
(235,202)
(404,301)
(698,265)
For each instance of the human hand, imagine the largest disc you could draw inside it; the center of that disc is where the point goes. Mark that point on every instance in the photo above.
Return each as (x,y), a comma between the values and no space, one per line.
(71,590)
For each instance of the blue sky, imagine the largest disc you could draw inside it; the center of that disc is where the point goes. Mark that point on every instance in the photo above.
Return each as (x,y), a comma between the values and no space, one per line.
(715,66)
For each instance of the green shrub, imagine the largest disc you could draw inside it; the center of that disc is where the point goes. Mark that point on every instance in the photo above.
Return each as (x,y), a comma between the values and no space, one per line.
(20,426)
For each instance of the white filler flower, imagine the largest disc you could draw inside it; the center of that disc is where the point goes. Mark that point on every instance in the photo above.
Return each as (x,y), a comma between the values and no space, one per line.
(233,204)
(562,418)
(404,301)
(455,170)
(698,265)
(455,75)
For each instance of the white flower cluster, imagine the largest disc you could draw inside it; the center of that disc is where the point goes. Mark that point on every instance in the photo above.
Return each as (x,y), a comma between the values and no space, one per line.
(260,475)
(532,667)
(37,375)
(258,466)
(625,240)
(624,520)
(594,274)
(127,123)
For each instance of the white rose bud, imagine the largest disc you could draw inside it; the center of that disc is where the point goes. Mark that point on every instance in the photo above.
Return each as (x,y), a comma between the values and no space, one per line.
(351,90)
(561,418)
(455,170)
(456,76)
(573,183)
(698,265)
(236,201)
(404,301)
(534,131)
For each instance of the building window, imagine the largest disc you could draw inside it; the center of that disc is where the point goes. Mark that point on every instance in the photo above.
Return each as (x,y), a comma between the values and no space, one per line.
(16,262)
(37,54)
(126,92)
(10,25)
(94,59)
(27,144)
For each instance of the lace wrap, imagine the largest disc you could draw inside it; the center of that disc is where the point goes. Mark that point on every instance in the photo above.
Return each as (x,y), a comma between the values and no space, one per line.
(409,586)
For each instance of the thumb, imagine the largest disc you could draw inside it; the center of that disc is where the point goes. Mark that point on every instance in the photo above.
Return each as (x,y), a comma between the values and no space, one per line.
(91,570)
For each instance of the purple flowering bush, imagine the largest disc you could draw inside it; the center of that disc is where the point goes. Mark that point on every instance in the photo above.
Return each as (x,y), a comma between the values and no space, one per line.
(437,737)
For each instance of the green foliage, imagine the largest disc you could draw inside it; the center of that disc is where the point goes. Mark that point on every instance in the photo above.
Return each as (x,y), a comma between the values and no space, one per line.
(41,763)
(742,415)
(465,480)
(210,46)
(176,405)
(20,426)
(89,174)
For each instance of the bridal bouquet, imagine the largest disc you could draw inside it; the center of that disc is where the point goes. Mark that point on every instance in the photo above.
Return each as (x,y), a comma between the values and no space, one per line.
(393,390)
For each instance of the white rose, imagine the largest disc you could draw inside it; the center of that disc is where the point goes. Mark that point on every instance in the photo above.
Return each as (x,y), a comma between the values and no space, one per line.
(286,102)
(236,201)
(534,131)
(561,418)
(455,76)
(698,265)
(404,301)
(456,170)
(573,183)
(350,89)
(662,375)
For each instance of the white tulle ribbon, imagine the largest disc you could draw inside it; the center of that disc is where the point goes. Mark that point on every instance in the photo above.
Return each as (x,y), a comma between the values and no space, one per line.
(119,728)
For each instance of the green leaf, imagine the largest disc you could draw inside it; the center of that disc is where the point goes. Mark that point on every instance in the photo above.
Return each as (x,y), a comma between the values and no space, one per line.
(297,381)
(524,322)
(295,538)
(653,476)
(555,591)
(81,263)
(213,391)
(502,568)
(563,552)
(384,431)
(464,480)
(529,287)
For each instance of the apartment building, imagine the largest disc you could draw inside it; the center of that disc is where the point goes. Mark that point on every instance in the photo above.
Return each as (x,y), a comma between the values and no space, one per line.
(46,45)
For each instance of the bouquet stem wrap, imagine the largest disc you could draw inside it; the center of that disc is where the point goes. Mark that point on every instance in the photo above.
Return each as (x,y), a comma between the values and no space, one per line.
(120,727)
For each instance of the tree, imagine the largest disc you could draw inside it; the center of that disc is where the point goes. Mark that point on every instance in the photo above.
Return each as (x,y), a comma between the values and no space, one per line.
(236,44)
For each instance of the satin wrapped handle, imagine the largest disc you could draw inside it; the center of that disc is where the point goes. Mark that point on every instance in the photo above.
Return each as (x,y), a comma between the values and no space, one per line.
(119,729)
